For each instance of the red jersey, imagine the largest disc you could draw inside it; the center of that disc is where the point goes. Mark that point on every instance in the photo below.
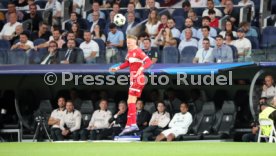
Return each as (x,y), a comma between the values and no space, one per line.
(135,59)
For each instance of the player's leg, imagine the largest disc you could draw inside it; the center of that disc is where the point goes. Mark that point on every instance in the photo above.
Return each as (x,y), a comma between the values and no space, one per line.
(170,137)
(160,137)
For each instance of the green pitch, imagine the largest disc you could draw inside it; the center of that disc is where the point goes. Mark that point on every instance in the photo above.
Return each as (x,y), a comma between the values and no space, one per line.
(138,149)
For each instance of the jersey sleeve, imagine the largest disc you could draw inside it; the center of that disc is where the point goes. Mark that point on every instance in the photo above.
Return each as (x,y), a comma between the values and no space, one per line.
(125,64)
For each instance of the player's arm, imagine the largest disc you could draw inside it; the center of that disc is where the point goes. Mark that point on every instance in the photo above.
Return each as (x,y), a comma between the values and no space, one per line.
(122,66)
(147,63)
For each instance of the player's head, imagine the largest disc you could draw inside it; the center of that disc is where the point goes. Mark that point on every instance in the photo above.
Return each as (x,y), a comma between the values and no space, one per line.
(131,41)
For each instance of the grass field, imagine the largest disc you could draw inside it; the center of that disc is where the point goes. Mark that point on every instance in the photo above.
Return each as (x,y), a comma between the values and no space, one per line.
(138,149)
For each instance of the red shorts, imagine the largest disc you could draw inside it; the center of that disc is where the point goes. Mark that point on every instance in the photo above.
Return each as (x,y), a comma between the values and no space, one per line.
(136,85)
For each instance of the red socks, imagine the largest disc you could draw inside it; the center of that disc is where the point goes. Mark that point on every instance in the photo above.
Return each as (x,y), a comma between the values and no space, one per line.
(131,114)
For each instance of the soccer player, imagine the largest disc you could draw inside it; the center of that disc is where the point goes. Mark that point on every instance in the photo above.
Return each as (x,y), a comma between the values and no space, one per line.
(137,61)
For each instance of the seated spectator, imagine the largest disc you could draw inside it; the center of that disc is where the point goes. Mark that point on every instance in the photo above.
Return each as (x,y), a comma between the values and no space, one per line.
(196,20)
(74,19)
(229,28)
(90,48)
(253,136)
(198,3)
(117,123)
(230,11)
(129,24)
(16,34)
(56,6)
(204,54)
(24,43)
(222,53)
(188,40)
(116,8)
(150,4)
(175,31)
(9,28)
(51,57)
(109,21)
(159,120)
(96,20)
(206,22)
(211,6)
(115,40)
(98,122)
(141,38)
(77,6)
(214,23)
(12,9)
(178,125)
(143,116)
(71,55)
(267,113)
(152,25)
(70,123)
(188,24)
(269,90)
(150,52)
(164,22)
(206,34)
(98,33)
(76,30)
(20,3)
(30,2)
(42,32)
(229,38)
(249,31)
(244,46)
(56,117)
(131,9)
(96,8)
(136,3)
(56,37)
(34,16)
(165,38)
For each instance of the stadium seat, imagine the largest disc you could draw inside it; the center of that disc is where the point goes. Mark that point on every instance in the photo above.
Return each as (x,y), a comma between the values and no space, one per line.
(86,110)
(268,37)
(202,123)
(17,57)
(187,54)
(179,12)
(219,97)
(150,107)
(235,52)
(112,107)
(101,44)
(179,22)
(4,44)
(39,41)
(170,55)
(80,57)
(254,42)
(225,120)
(3,56)
(79,41)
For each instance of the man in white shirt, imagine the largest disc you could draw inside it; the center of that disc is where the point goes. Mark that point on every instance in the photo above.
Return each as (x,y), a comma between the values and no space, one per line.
(55,118)
(188,24)
(9,28)
(179,124)
(150,4)
(211,5)
(56,6)
(188,40)
(206,34)
(70,123)
(269,90)
(77,5)
(98,122)
(198,3)
(24,43)
(171,25)
(204,55)
(243,45)
(90,48)
(206,22)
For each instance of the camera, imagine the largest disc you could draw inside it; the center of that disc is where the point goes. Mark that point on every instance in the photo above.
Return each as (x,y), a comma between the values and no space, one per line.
(39,118)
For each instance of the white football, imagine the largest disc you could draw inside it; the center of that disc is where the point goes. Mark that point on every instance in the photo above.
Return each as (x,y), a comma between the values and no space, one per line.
(119,20)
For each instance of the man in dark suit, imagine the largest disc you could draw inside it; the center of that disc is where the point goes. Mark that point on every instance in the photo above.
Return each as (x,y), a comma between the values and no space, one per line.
(72,55)
(97,20)
(51,57)
(143,116)
(74,19)
(35,18)
(129,24)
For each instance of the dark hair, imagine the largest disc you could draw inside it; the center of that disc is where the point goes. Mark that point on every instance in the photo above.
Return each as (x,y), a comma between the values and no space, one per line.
(172,19)
(210,1)
(206,18)
(42,23)
(206,39)
(56,46)
(219,36)
(205,27)
(186,104)
(70,101)
(25,34)
(147,39)
(211,11)
(74,13)
(230,34)
(112,26)
(186,3)
(140,100)
(101,31)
